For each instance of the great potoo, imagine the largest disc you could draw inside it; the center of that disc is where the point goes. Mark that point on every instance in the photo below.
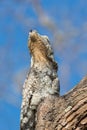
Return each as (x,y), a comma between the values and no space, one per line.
(41,81)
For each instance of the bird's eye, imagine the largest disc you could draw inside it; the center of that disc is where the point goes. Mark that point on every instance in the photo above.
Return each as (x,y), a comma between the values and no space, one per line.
(45,38)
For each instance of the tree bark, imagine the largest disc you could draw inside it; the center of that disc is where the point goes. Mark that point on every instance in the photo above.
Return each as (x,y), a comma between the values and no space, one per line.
(68,112)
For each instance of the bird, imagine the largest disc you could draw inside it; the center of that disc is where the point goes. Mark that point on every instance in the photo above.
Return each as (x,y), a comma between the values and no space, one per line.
(41,81)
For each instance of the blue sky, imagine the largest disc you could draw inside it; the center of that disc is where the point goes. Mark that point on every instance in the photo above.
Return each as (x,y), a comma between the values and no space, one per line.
(16,19)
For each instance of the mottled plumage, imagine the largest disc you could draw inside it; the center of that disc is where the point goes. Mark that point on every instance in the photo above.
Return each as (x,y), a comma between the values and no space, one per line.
(41,80)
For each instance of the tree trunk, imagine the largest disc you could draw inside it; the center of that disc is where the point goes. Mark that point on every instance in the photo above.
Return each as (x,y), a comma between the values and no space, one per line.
(68,112)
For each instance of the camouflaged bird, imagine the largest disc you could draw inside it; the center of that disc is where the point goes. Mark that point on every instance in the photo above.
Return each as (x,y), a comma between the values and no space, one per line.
(41,81)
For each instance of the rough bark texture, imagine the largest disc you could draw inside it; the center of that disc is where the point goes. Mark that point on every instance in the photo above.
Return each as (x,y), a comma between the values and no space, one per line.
(68,112)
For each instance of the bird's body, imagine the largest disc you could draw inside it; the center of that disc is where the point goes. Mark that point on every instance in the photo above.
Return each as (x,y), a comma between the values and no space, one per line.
(41,81)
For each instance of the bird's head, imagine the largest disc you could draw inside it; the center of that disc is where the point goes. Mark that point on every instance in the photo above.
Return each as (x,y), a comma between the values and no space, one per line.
(40,48)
